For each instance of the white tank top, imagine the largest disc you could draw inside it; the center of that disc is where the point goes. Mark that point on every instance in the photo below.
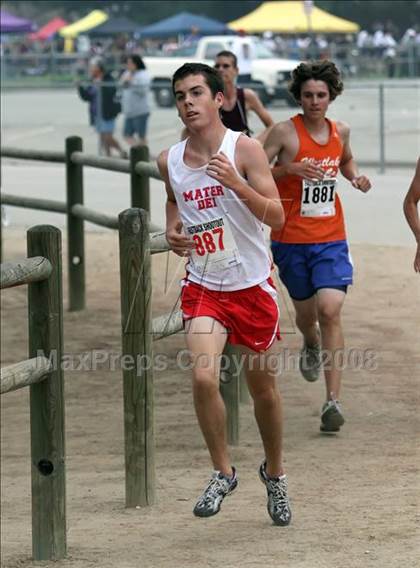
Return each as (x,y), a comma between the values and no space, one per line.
(230,250)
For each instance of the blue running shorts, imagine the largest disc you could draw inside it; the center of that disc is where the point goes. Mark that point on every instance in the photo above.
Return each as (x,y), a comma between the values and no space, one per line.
(306,268)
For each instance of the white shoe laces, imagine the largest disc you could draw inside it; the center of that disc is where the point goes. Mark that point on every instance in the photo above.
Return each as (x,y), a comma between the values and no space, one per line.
(215,487)
(278,489)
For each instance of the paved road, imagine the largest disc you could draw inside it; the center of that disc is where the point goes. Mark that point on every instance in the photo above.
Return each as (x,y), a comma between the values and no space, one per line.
(42,119)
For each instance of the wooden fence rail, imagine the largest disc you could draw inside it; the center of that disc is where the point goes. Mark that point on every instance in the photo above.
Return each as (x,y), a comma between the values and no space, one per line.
(139,170)
(100,162)
(158,242)
(148,169)
(86,214)
(37,155)
(24,373)
(42,270)
(33,203)
(168,324)
(24,271)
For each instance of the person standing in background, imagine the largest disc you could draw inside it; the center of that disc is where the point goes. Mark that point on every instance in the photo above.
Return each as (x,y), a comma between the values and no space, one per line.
(135,100)
(103,107)
(242,48)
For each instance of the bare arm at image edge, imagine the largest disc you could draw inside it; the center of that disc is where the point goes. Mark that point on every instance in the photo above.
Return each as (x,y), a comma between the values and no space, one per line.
(412,213)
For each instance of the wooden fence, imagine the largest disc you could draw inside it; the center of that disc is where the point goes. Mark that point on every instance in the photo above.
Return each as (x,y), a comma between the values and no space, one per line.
(42,272)
(139,170)
(137,243)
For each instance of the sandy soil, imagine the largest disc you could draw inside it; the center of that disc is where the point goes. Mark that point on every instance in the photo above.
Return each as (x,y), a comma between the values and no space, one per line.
(355,496)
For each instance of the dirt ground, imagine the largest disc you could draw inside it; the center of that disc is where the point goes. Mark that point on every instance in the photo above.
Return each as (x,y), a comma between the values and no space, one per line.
(355,496)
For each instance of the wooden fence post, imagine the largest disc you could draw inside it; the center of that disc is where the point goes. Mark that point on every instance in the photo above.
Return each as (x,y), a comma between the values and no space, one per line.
(244,396)
(140,184)
(1,233)
(75,227)
(229,388)
(136,291)
(45,307)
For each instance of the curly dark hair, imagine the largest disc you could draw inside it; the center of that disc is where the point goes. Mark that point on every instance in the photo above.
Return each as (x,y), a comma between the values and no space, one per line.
(319,71)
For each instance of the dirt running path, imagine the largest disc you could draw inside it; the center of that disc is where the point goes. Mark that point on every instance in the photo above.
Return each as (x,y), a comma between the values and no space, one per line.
(355,496)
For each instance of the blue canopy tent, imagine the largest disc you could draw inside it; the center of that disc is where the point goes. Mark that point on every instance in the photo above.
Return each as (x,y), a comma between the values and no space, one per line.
(114,26)
(182,24)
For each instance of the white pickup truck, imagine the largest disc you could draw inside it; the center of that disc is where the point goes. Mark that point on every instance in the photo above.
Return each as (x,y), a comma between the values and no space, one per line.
(270,74)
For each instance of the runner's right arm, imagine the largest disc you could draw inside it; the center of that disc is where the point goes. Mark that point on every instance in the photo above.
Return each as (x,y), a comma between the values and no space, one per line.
(275,144)
(412,214)
(178,242)
(258,192)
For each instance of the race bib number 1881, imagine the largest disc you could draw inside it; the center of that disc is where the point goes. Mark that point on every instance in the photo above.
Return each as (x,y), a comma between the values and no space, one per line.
(215,248)
(318,198)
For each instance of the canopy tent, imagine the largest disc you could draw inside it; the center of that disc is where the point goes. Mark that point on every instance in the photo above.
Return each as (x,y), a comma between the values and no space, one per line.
(13,25)
(115,26)
(93,19)
(183,23)
(291,17)
(50,29)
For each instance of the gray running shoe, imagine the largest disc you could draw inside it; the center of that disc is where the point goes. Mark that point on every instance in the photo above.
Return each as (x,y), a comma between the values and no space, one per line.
(218,488)
(310,362)
(278,505)
(331,417)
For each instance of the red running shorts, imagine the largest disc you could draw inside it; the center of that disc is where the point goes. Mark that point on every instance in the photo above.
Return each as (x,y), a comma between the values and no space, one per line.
(250,316)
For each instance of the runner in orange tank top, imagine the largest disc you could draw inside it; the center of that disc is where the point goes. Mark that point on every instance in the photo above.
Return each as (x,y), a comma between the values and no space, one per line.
(311,250)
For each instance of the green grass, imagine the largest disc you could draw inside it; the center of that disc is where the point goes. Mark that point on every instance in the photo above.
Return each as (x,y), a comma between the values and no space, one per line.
(45,81)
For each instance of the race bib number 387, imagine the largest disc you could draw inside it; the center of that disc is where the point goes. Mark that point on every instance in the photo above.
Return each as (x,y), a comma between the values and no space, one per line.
(318,198)
(215,248)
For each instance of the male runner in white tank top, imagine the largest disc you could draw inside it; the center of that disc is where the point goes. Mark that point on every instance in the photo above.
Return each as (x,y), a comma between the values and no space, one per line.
(220,190)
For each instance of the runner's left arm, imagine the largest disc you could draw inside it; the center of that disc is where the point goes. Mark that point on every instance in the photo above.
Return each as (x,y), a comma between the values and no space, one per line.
(258,191)
(348,166)
(253,102)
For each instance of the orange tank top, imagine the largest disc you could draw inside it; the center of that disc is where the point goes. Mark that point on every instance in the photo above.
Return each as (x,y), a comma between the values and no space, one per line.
(313,211)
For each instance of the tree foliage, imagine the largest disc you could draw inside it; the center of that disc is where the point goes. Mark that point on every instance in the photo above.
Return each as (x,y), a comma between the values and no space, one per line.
(367,13)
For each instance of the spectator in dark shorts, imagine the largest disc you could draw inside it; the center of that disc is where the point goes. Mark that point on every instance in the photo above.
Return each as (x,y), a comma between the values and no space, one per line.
(135,100)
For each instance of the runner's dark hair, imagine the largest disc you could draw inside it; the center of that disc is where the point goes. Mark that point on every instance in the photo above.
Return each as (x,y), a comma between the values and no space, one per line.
(211,76)
(319,71)
(226,53)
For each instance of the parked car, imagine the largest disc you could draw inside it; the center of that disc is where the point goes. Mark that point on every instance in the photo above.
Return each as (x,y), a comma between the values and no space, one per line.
(270,74)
